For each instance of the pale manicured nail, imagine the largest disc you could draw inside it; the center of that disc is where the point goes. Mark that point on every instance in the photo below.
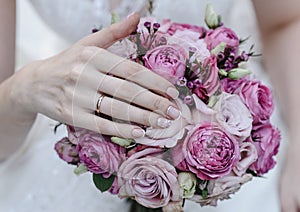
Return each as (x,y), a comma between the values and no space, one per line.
(163,123)
(138,133)
(173,112)
(131,14)
(172,92)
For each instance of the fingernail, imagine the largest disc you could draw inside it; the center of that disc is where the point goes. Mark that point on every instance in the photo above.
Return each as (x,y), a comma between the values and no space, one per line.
(138,133)
(163,123)
(173,112)
(131,14)
(172,92)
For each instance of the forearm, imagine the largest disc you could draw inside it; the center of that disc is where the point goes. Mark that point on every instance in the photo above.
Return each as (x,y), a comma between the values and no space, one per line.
(15,122)
(282,57)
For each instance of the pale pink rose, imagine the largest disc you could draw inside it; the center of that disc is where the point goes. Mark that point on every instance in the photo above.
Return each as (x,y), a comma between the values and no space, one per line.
(208,151)
(171,28)
(233,115)
(67,151)
(201,112)
(99,154)
(221,34)
(248,157)
(222,188)
(168,137)
(151,181)
(266,139)
(258,98)
(168,61)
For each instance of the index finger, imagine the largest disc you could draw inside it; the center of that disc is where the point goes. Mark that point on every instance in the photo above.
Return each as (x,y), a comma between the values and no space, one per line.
(107,36)
(134,72)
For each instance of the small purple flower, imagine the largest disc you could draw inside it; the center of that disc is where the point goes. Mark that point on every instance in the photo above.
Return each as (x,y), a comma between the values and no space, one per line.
(181,81)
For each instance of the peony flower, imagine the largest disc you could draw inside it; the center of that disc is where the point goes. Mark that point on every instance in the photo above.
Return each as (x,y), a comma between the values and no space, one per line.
(258,98)
(266,140)
(67,151)
(208,151)
(168,61)
(187,182)
(99,154)
(233,115)
(151,181)
(221,34)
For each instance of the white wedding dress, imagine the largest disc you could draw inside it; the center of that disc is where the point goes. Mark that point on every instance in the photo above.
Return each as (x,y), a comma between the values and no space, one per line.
(34,179)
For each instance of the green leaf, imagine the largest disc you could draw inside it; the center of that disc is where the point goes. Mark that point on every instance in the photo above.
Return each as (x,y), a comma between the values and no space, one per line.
(204,193)
(103,184)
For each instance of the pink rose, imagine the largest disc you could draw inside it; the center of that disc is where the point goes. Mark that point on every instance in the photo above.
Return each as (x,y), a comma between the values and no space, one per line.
(168,61)
(151,181)
(209,76)
(208,151)
(99,154)
(171,28)
(258,98)
(221,34)
(67,151)
(188,35)
(233,115)
(266,140)
(230,85)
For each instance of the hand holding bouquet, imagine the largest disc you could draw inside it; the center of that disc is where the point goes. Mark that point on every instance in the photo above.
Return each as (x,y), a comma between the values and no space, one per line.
(221,140)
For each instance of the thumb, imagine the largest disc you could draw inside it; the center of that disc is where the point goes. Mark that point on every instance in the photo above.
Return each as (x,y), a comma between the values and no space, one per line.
(106,37)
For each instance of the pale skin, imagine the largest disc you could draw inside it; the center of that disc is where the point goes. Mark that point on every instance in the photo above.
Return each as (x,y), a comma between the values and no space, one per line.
(280,34)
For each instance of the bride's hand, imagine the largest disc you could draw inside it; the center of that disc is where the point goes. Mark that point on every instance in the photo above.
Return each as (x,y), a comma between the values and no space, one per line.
(289,189)
(67,87)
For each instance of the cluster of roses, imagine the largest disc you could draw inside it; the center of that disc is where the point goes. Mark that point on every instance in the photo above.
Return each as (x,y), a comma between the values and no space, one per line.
(222,139)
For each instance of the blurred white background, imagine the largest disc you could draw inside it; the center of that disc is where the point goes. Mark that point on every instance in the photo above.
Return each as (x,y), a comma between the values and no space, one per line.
(35,40)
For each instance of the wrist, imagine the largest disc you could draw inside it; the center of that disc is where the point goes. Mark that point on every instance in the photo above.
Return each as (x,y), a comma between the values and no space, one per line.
(20,94)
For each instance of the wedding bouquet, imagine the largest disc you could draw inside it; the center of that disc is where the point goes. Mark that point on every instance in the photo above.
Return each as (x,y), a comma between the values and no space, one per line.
(222,139)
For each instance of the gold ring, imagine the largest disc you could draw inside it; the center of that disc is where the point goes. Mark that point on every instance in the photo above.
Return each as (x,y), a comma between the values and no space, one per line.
(100,99)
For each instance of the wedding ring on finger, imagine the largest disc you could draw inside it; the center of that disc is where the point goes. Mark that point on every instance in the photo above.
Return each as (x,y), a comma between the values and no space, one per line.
(98,106)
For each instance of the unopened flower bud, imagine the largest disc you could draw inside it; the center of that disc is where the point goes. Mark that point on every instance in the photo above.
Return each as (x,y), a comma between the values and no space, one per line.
(238,73)
(212,20)
(187,182)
